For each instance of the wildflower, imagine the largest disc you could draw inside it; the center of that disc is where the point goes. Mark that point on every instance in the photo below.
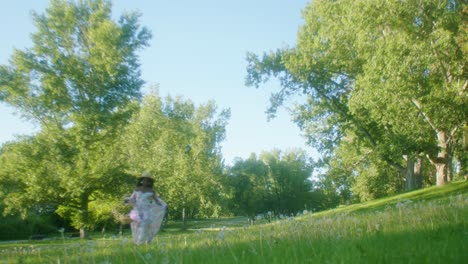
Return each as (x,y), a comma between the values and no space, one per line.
(165,260)
(90,247)
(403,204)
(221,234)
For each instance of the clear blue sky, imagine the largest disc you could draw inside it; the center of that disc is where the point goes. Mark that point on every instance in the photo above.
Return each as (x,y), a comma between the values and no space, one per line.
(197,51)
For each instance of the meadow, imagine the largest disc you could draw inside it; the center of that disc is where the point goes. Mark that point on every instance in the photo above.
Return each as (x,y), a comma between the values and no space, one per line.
(424,226)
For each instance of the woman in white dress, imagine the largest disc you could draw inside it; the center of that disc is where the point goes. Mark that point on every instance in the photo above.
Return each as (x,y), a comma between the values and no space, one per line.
(148,211)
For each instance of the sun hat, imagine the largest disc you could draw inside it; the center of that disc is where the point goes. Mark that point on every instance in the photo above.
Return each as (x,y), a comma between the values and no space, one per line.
(146,175)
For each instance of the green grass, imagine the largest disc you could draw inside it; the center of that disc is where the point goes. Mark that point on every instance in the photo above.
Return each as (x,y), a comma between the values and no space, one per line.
(425,226)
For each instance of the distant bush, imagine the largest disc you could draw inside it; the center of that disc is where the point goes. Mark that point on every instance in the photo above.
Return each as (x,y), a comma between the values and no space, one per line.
(16,228)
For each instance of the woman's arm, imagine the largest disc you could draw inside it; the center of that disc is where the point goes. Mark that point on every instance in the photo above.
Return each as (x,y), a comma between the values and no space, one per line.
(159,201)
(131,199)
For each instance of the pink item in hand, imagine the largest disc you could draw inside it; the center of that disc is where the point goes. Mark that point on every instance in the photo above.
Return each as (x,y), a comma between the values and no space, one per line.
(134,215)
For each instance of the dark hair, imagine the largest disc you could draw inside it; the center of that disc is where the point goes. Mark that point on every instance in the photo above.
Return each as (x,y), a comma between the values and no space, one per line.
(139,181)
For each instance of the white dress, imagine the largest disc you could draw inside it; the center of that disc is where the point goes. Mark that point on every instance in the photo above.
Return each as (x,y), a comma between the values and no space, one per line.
(147,216)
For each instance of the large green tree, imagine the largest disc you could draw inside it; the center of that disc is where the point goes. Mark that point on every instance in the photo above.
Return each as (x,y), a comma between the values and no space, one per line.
(78,83)
(248,182)
(289,176)
(391,74)
(414,81)
(276,182)
(179,143)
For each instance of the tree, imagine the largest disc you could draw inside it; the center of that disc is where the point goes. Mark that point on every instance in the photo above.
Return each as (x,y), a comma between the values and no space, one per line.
(248,181)
(276,182)
(289,175)
(415,55)
(350,70)
(179,143)
(79,82)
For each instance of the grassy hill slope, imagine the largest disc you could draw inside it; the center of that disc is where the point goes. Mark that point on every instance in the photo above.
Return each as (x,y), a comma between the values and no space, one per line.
(424,226)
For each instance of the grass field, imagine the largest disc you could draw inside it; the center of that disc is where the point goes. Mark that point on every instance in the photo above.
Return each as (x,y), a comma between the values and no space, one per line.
(424,226)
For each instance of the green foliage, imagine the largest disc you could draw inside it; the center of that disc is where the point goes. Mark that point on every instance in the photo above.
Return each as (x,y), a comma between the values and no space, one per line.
(276,183)
(80,82)
(289,180)
(248,182)
(14,227)
(390,75)
(179,143)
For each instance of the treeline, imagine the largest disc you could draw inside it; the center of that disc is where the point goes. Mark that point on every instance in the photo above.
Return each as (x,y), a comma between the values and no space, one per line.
(385,94)
(169,138)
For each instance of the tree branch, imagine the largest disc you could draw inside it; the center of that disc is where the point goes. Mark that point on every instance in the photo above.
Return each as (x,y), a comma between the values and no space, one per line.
(428,120)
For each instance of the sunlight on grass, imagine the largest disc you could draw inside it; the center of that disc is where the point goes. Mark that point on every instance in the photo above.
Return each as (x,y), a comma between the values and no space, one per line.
(427,226)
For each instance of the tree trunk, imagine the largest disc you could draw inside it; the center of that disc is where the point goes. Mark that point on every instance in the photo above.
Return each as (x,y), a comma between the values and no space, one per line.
(450,164)
(441,161)
(184,212)
(409,174)
(184,218)
(83,232)
(441,173)
(84,216)
(418,172)
(464,159)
